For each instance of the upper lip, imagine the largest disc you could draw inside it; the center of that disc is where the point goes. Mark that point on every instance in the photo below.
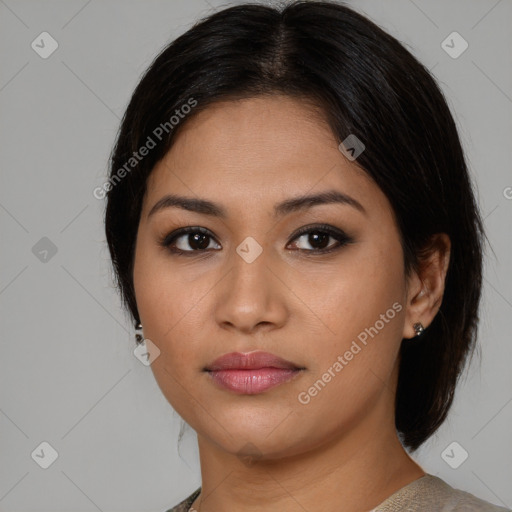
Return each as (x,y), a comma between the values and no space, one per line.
(250,361)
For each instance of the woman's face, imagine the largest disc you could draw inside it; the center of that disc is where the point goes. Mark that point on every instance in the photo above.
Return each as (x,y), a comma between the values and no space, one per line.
(251,283)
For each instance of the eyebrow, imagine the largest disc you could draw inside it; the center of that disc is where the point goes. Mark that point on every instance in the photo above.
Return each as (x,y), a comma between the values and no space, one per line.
(294,204)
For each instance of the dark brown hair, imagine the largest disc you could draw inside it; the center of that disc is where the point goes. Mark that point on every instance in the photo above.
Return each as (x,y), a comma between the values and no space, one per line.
(365,83)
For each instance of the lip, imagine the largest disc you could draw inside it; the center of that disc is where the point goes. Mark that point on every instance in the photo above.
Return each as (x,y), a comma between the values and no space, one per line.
(250,361)
(251,373)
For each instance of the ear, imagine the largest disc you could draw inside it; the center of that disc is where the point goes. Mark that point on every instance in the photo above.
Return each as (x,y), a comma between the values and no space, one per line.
(425,287)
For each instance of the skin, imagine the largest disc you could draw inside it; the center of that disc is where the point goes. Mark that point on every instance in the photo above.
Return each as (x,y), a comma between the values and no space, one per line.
(341,447)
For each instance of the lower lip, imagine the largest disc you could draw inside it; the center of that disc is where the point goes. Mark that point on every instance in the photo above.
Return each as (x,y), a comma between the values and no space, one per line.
(252,382)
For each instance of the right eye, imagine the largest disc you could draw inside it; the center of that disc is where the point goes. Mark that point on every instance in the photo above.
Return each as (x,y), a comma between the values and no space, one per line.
(196,238)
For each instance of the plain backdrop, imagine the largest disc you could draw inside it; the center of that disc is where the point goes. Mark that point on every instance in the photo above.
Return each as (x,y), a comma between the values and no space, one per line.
(68,376)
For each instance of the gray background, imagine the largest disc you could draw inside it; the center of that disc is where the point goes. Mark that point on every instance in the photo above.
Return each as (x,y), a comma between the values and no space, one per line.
(68,374)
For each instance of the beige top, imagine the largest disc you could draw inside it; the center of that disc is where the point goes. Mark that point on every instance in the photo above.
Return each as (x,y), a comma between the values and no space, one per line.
(426,494)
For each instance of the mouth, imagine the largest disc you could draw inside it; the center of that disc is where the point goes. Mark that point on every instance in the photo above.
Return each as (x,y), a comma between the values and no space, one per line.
(251,373)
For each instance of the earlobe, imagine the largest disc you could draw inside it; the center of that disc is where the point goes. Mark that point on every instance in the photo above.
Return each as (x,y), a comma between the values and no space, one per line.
(415,318)
(418,328)
(426,287)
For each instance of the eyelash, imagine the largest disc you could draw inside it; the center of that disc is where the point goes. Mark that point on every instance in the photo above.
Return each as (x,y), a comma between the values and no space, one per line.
(341,237)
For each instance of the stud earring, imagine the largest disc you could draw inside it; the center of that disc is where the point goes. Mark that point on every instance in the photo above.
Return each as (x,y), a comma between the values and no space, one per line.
(418,328)
(139,338)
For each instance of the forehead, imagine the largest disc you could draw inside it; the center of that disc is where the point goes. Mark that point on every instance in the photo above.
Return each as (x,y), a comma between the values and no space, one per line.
(248,150)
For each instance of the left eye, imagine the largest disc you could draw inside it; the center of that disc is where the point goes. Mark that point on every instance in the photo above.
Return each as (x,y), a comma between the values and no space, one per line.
(318,239)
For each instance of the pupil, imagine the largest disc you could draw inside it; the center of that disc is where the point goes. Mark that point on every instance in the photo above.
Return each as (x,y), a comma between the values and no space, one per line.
(200,239)
(314,238)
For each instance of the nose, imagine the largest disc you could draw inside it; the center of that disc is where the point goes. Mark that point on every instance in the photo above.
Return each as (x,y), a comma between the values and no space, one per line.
(251,296)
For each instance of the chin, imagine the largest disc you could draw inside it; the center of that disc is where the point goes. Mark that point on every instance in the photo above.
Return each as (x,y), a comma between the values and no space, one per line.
(258,440)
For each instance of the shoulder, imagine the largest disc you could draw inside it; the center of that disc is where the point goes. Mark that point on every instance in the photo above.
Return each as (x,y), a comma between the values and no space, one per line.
(184,505)
(466,502)
(434,494)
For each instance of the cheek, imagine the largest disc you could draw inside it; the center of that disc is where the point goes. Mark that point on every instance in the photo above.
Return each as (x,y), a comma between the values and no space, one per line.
(353,363)
(170,314)
(161,293)
(360,312)
(171,305)
(349,296)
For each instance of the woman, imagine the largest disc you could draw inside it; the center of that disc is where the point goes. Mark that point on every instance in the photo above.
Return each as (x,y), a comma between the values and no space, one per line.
(294,231)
